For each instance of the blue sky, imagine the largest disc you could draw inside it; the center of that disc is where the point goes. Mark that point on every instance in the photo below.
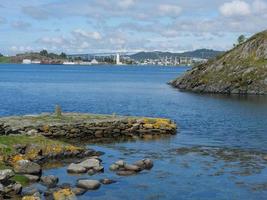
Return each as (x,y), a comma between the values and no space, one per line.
(85,26)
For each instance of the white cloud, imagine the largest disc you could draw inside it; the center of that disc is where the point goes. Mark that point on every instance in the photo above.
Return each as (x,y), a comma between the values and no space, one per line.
(169,10)
(53,41)
(235,8)
(126,3)
(87,34)
(20,25)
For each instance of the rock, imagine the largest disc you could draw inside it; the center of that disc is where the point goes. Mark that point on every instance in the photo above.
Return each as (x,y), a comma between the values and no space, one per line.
(236,71)
(64,194)
(20,148)
(78,191)
(49,181)
(6,174)
(32,178)
(17,188)
(29,191)
(120,163)
(33,197)
(76,168)
(132,168)
(145,164)
(65,186)
(90,163)
(107,181)
(27,167)
(148,164)
(2,189)
(32,132)
(88,184)
(126,173)
(114,167)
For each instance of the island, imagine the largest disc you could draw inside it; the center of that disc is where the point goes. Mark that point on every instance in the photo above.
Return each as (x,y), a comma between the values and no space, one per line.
(242,70)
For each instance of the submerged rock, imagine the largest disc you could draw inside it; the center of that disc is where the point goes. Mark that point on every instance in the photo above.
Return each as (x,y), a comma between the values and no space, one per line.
(107,181)
(49,181)
(78,191)
(124,169)
(89,184)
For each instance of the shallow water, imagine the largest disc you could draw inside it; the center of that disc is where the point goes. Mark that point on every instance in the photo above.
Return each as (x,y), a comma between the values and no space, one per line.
(222,125)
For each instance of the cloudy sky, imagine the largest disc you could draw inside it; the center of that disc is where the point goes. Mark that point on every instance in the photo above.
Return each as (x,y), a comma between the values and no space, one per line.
(75,26)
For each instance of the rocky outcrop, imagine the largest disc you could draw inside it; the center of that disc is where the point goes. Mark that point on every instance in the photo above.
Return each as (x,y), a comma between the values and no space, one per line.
(242,70)
(86,127)
(124,169)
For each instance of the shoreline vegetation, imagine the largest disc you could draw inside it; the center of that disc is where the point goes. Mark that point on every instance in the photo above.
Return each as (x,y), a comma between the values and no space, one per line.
(29,142)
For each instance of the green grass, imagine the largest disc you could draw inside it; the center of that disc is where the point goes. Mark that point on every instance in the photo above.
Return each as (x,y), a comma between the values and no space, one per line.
(4,59)
(7,143)
(24,181)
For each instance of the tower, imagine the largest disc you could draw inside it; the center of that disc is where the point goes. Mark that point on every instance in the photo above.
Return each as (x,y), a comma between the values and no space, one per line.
(118,62)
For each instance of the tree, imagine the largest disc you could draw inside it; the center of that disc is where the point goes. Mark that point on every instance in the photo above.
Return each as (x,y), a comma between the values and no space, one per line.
(241,39)
(63,55)
(1,55)
(44,53)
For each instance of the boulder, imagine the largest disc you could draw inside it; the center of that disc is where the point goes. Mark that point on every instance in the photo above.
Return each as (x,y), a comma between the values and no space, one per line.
(120,163)
(49,181)
(64,194)
(32,178)
(27,167)
(145,164)
(90,163)
(129,167)
(76,169)
(88,184)
(114,167)
(17,188)
(6,174)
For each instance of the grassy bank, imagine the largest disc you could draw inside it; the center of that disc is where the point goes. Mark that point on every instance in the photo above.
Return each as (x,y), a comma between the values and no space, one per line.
(4,59)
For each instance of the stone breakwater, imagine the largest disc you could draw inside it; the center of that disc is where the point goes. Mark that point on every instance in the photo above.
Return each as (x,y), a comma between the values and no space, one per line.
(85,126)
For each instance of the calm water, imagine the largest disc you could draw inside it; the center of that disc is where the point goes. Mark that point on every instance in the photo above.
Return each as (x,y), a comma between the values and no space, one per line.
(224,138)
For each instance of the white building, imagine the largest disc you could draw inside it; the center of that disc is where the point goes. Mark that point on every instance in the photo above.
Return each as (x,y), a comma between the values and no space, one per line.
(26,61)
(94,62)
(118,62)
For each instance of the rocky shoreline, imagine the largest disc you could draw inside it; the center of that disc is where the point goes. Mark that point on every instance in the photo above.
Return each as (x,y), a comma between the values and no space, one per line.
(241,70)
(29,142)
(85,126)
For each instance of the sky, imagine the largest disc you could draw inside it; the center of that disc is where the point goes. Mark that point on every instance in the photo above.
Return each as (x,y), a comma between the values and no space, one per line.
(92,26)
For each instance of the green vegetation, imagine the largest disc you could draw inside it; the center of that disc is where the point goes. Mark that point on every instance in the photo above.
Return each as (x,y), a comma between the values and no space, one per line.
(24,181)
(4,59)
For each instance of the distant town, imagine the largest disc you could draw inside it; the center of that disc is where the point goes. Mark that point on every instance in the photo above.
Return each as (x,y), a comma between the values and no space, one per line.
(142,58)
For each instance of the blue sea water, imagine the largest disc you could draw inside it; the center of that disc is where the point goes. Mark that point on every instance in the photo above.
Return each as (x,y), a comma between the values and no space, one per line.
(221,125)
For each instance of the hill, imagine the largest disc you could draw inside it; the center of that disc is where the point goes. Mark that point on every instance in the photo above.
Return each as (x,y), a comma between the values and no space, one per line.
(242,70)
(200,53)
